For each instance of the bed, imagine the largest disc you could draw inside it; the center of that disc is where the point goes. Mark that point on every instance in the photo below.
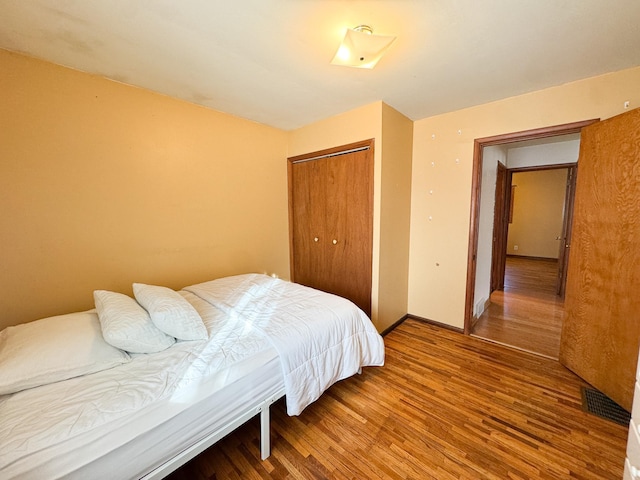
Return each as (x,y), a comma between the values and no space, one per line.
(149,413)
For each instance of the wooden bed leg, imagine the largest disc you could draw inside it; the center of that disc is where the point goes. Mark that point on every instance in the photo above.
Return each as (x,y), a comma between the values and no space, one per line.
(265,433)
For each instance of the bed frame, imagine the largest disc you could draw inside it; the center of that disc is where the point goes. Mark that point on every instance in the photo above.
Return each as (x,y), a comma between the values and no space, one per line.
(204,443)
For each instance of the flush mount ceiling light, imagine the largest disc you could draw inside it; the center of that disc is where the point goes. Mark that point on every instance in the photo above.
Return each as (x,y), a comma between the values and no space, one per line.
(360,48)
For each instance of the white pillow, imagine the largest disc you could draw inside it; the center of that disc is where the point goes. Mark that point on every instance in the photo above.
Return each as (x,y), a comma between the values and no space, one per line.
(54,349)
(126,325)
(170,312)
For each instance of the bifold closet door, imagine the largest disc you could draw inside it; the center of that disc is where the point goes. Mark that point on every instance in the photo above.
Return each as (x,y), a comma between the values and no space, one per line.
(331,213)
(349,226)
(309,266)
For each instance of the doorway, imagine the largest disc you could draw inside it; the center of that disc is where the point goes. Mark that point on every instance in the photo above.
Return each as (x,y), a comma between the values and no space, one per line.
(512,304)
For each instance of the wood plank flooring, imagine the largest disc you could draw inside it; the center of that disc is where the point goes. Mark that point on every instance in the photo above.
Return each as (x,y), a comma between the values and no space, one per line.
(445,406)
(527,314)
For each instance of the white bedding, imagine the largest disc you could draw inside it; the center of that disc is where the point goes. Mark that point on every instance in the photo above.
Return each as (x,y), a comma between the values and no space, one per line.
(52,430)
(343,338)
(133,417)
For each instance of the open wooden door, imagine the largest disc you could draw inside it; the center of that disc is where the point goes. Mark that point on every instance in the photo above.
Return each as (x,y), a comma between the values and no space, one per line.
(601,331)
(500,223)
(565,236)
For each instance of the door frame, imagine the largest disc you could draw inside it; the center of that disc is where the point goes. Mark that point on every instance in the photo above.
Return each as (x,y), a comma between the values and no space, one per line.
(501,224)
(476,182)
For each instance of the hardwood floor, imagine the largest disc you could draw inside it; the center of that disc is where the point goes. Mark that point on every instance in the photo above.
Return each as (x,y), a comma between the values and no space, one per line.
(527,314)
(445,406)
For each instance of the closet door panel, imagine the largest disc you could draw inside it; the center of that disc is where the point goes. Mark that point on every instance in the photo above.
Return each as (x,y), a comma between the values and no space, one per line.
(308,224)
(336,225)
(350,225)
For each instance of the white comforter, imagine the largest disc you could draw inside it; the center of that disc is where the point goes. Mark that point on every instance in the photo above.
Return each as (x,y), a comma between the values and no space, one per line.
(320,338)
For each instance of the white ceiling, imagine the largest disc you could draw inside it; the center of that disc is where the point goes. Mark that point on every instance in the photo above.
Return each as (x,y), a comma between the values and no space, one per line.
(268,60)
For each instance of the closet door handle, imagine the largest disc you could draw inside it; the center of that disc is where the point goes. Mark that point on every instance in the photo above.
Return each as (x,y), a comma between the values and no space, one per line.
(335,242)
(315,239)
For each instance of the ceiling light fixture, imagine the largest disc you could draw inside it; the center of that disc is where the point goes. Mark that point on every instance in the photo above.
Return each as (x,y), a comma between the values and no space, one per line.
(360,48)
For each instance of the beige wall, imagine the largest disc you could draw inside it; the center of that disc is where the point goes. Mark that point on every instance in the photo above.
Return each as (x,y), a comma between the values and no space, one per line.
(395,216)
(538,207)
(442,162)
(103,184)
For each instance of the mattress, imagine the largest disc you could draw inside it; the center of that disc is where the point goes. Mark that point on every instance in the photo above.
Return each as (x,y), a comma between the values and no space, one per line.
(124,422)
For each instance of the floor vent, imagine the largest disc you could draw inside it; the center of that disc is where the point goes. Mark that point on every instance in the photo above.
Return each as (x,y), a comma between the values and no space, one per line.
(597,403)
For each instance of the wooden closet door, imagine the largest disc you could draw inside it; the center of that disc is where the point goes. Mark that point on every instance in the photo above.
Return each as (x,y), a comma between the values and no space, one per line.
(350,226)
(601,330)
(308,235)
(331,221)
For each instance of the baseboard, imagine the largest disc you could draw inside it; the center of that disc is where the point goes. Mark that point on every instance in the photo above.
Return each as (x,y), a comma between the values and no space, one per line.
(423,320)
(436,324)
(546,259)
(396,324)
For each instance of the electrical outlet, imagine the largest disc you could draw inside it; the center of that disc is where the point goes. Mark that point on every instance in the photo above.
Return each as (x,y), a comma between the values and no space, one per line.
(515,247)
(626,104)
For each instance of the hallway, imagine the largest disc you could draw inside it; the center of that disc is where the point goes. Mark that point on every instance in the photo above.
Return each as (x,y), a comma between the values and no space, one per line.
(527,314)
